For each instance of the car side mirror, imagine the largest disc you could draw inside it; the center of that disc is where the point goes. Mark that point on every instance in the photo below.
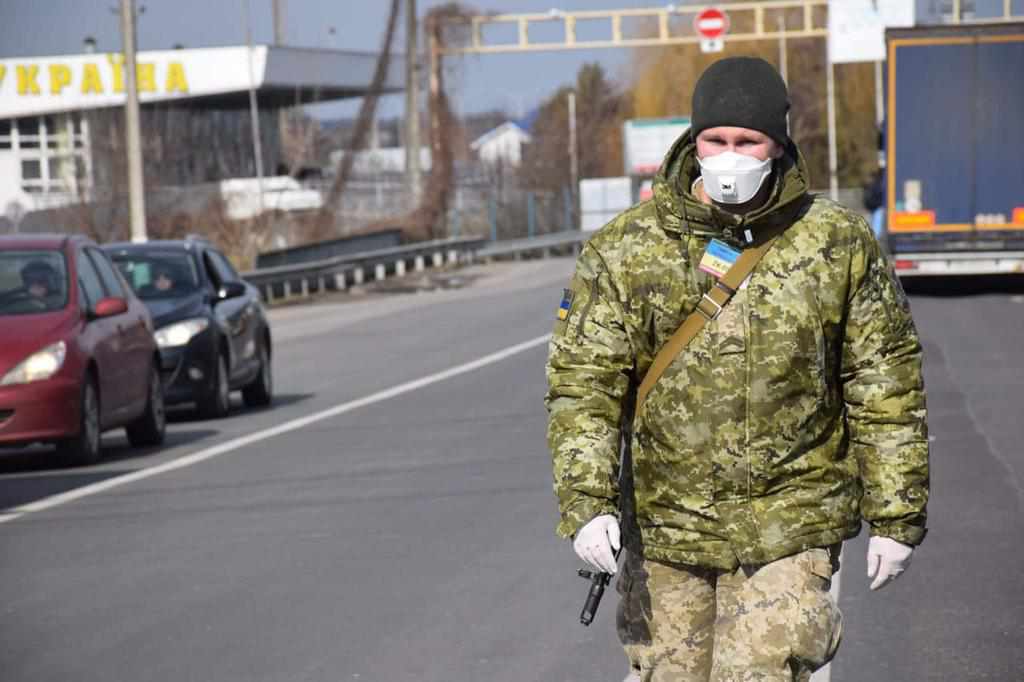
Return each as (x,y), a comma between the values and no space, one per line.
(230,290)
(108,307)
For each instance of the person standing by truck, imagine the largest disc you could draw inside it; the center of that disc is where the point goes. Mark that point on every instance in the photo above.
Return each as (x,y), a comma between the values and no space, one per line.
(794,412)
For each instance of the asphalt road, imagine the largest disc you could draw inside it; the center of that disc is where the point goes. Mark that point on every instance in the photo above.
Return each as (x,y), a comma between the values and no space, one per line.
(408,535)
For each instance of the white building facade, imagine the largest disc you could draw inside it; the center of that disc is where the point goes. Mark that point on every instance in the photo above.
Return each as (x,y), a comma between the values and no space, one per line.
(48,148)
(502,145)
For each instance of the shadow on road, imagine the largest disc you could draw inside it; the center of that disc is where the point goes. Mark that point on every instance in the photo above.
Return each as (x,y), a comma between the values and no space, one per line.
(121,450)
(21,490)
(946,287)
(44,460)
(179,414)
(37,472)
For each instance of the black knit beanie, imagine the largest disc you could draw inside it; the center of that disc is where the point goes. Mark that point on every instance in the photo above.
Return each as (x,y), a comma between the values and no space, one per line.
(746,92)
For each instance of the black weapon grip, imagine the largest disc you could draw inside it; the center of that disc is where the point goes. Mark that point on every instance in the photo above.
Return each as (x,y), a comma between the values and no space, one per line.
(598,581)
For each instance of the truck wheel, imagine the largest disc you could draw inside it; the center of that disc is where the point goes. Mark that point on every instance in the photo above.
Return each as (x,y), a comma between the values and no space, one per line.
(217,402)
(260,392)
(84,448)
(151,426)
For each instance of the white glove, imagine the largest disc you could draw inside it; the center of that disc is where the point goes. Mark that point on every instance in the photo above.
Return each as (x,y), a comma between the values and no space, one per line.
(887,559)
(597,541)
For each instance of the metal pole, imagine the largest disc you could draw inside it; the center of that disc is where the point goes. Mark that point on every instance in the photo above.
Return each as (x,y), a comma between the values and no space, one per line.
(254,114)
(412,108)
(133,142)
(833,178)
(574,163)
(278,22)
(879,96)
(492,217)
(531,217)
(282,114)
(567,205)
(783,65)
(434,97)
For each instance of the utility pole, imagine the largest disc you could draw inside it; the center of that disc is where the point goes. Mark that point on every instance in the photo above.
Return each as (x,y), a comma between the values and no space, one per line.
(434,96)
(879,96)
(574,161)
(282,114)
(783,61)
(412,108)
(254,114)
(833,163)
(278,22)
(133,142)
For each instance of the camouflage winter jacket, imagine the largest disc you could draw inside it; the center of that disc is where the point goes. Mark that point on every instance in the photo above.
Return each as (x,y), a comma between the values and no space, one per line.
(792,416)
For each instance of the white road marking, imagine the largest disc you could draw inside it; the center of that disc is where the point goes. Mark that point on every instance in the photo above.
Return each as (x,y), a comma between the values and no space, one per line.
(229,446)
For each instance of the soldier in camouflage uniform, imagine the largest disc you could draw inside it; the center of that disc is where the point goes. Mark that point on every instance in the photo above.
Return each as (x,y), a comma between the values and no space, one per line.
(794,415)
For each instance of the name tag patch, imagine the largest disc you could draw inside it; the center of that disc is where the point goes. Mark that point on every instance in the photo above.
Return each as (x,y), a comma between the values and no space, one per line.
(718,258)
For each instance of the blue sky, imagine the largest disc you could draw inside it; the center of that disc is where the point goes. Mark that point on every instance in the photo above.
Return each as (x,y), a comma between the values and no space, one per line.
(512,82)
(516,83)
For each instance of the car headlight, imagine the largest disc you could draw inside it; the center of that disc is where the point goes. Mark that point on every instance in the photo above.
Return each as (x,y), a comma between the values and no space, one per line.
(180,333)
(38,366)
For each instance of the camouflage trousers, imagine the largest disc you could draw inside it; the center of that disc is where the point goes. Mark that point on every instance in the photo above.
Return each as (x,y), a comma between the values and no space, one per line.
(770,623)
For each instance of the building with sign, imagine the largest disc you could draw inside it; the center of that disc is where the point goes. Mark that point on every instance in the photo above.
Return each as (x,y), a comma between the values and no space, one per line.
(645,142)
(61,118)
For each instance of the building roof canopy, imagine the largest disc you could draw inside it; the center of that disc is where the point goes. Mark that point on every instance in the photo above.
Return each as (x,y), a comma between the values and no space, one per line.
(215,77)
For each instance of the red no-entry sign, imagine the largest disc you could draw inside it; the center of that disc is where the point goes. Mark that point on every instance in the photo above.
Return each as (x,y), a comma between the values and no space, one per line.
(711,23)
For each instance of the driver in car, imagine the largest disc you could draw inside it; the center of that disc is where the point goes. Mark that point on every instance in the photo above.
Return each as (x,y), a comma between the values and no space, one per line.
(38,278)
(163,281)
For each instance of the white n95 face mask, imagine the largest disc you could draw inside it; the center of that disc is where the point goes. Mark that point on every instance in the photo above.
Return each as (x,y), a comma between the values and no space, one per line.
(731,178)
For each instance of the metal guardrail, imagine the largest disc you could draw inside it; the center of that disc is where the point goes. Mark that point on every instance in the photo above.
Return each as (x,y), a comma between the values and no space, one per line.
(287,282)
(544,245)
(340,272)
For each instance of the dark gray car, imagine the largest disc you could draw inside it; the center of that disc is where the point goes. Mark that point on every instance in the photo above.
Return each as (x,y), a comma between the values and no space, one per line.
(211,326)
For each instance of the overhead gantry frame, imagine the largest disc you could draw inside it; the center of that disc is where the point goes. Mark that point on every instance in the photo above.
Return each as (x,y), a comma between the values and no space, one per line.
(674,26)
(749,21)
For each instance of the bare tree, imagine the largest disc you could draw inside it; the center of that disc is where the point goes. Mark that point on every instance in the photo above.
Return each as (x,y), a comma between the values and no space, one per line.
(601,110)
(298,140)
(325,218)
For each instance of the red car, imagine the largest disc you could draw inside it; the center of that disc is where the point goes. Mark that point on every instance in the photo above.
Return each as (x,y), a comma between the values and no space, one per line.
(77,354)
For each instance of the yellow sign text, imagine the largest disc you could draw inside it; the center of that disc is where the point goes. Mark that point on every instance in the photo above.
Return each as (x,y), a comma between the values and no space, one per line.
(95,78)
(27,84)
(176,81)
(91,81)
(60,78)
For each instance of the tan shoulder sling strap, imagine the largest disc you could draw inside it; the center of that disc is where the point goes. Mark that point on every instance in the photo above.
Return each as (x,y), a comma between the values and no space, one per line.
(708,308)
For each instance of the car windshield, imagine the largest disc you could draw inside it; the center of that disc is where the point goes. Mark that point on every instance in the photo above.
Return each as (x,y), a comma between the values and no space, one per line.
(32,282)
(158,274)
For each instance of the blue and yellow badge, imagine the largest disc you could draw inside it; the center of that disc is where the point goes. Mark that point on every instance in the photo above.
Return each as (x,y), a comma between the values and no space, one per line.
(566,305)
(718,258)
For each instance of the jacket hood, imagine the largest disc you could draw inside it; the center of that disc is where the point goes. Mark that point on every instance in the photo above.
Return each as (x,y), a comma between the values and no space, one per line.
(680,211)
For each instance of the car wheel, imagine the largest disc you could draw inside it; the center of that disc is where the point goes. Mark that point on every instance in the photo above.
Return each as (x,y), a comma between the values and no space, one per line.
(260,392)
(217,402)
(84,448)
(151,426)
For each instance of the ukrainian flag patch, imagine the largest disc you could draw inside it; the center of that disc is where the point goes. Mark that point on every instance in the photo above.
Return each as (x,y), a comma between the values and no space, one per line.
(566,305)
(718,258)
